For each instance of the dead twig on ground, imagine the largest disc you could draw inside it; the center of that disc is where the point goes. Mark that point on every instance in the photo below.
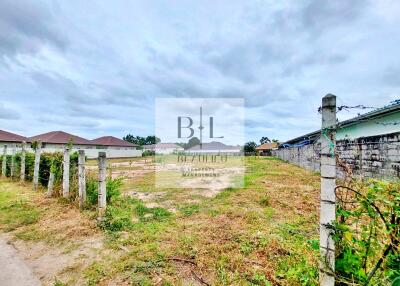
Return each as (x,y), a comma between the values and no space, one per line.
(192,263)
(181,260)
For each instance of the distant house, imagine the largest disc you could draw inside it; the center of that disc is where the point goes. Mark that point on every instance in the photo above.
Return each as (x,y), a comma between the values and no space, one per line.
(116,148)
(55,141)
(163,148)
(58,139)
(214,148)
(266,148)
(11,140)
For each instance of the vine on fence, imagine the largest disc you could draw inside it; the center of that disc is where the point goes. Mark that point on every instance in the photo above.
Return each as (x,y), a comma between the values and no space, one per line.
(367,233)
(48,162)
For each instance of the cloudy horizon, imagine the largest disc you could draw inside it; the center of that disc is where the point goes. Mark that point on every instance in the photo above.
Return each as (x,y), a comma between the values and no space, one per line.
(95,68)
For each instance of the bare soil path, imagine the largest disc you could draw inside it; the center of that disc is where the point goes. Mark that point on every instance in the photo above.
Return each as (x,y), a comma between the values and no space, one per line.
(13,270)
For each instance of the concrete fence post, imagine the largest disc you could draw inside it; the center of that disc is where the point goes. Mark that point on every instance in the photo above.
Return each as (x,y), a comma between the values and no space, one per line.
(23,156)
(12,167)
(328,183)
(50,184)
(36,166)
(65,185)
(82,178)
(102,197)
(4,163)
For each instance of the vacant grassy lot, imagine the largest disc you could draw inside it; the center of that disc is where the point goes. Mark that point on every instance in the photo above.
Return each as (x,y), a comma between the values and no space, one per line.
(263,234)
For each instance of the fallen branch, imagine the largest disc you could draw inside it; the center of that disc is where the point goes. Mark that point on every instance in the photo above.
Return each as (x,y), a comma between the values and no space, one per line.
(193,263)
(199,278)
(181,260)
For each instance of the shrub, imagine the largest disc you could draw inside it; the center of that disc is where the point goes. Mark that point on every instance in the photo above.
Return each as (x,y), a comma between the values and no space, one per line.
(113,187)
(48,161)
(91,190)
(122,214)
(148,153)
(189,210)
(367,233)
(154,213)
(118,216)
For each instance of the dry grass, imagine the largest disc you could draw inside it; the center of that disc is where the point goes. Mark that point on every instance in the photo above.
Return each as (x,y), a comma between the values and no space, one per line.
(51,234)
(262,234)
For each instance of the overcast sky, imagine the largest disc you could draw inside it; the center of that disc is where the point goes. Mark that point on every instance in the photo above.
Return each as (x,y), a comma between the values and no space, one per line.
(94,68)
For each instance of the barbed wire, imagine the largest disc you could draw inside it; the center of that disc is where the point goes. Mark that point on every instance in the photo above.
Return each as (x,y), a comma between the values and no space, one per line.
(348,107)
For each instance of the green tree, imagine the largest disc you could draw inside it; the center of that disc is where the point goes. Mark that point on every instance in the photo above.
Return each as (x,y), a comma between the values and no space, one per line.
(130,138)
(264,140)
(135,139)
(192,142)
(152,140)
(250,147)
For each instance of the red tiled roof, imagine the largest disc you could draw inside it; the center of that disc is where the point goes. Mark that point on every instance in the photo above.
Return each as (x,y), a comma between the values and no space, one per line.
(268,146)
(11,137)
(60,137)
(112,141)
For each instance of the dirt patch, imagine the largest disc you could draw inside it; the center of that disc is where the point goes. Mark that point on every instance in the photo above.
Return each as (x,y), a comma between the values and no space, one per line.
(14,271)
(146,196)
(52,263)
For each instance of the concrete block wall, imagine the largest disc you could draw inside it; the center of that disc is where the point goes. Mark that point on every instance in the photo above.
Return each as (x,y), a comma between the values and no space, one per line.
(91,152)
(368,157)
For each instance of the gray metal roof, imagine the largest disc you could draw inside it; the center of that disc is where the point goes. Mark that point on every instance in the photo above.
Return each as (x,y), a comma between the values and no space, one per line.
(393,107)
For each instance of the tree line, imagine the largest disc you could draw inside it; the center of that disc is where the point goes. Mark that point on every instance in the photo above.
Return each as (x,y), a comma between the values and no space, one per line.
(249,147)
(152,139)
(139,140)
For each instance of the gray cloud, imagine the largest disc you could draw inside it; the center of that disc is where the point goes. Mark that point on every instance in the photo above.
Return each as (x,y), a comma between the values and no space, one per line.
(108,62)
(25,26)
(8,113)
(391,76)
(319,16)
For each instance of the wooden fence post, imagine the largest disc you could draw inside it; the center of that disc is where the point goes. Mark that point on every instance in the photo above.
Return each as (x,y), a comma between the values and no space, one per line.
(4,164)
(102,197)
(328,198)
(36,166)
(65,186)
(82,178)
(12,167)
(23,155)
(50,184)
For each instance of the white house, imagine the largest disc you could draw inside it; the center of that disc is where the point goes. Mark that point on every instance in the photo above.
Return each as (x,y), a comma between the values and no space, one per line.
(55,141)
(12,141)
(116,148)
(214,148)
(163,148)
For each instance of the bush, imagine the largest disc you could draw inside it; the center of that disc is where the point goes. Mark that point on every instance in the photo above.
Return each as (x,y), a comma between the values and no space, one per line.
(119,215)
(367,233)
(48,162)
(123,213)
(113,187)
(148,153)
